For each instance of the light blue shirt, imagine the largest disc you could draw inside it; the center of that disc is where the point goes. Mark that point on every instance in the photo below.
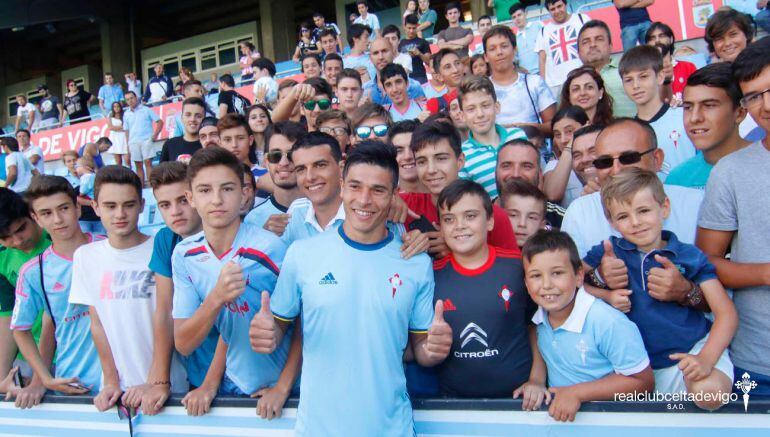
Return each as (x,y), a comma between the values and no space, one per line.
(595,341)
(672,138)
(379,97)
(195,273)
(111,94)
(356,62)
(358,303)
(138,122)
(585,222)
(525,47)
(519,106)
(259,215)
(411,113)
(87,182)
(76,354)
(693,173)
(303,223)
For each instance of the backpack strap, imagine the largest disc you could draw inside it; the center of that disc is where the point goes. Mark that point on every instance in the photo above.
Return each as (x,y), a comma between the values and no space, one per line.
(42,286)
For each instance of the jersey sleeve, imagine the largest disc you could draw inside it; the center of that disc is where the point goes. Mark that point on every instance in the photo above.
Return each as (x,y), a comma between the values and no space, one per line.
(703,270)
(594,256)
(160,262)
(540,42)
(285,302)
(422,308)
(29,301)
(79,291)
(186,299)
(620,341)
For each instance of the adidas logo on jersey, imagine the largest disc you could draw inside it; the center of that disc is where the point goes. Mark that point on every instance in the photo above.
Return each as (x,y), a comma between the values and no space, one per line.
(328,280)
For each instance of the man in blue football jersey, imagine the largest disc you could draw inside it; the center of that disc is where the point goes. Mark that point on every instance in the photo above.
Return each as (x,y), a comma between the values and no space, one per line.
(360,303)
(218,274)
(169,184)
(44,285)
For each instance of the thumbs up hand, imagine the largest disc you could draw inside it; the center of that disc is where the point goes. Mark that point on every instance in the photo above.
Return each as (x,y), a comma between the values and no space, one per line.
(612,269)
(262,331)
(439,340)
(666,283)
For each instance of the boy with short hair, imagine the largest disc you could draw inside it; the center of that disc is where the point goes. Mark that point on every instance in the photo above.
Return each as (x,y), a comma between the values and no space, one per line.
(400,136)
(395,81)
(169,184)
(591,350)
(449,70)
(218,275)
(712,117)
(484,301)
(44,286)
(112,278)
(310,66)
(480,107)
(417,48)
(641,69)
(455,37)
(526,208)
(358,58)
(349,91)
(439,158)
(685,348)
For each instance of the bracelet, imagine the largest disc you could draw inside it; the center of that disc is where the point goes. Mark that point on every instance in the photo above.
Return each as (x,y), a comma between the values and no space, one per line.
(594,279)
(161,383)
(694,296)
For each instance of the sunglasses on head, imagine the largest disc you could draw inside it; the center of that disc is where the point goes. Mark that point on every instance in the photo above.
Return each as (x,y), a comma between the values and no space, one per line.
(625,158)
(275,156)
(323,104)
(380,130)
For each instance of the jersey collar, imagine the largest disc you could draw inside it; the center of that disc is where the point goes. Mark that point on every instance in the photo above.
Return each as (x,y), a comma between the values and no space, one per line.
(364,246)
(312,221)
(577,317)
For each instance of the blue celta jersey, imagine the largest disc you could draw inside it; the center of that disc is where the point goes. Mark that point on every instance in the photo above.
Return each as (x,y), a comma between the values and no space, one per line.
(358,303)
(195,273)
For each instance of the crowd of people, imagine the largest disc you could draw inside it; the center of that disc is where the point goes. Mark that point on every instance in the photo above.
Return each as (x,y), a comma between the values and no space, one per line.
(411,225)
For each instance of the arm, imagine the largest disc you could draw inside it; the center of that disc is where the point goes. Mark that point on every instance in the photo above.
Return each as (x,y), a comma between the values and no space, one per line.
(222,110)
(10,175)
(272,399)
(17,123)
(546,115)
(567,399)
(34,159)
(198,401)
(533,392)
(295,56)
(111,387)
(32,394)
(31,118)
(555,181)
(732,274)
(300,93)
(541,63)
(158,125)
(163,347)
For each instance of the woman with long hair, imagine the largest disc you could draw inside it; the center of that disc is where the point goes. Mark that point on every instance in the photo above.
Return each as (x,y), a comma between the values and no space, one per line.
(118,135)
(248,54)
(258,117)
(411,8)
(584,87)
(479,66)
(305,45)
(560,183)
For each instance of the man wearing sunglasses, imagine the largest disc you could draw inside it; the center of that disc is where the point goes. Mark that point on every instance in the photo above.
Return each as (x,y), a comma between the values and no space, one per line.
(314,96)
(271,213)
(371,121)
(623,144)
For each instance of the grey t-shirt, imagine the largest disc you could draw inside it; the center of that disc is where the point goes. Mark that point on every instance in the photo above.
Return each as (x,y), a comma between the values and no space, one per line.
(453,33)
(737,199)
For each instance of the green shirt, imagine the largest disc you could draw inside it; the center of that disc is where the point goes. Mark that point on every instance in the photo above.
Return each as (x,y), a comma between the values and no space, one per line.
(481,159)
(622,105)
(501,9)
(693,173)
(11,261)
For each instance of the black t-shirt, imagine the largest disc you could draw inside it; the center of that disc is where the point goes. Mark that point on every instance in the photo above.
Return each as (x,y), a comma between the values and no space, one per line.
(77,105)
(489,311)
(175,148)
(418,67)
(235,102)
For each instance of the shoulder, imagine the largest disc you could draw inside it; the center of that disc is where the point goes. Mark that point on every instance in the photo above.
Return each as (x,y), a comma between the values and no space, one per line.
(191,245)
(678,194)
(300,205)
(443,263)
(33,265)
(90,249)
(507,254)
(737,159)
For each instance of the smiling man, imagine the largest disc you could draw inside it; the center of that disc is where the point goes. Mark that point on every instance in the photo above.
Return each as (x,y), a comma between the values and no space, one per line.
(394,81)
(182,148)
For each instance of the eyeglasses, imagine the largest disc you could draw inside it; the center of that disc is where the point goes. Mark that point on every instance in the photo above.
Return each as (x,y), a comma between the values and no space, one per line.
(323,104)
(625,158)
(753,99)
(380,130)
(275,156)
(336,131)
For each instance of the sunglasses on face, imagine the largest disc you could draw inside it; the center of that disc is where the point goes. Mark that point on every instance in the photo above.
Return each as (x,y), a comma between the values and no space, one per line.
(323,104)
(336,131)
(380,130)
(275,156)
(625,158)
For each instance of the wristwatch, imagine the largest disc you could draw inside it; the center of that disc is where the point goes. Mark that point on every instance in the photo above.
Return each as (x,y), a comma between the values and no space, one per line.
(694,297)
(595,279)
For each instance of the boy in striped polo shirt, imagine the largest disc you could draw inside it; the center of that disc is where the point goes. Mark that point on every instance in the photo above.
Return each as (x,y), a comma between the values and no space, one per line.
(479,104)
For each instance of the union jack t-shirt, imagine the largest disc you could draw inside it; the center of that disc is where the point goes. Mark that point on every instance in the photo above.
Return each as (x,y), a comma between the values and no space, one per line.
(560,44)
